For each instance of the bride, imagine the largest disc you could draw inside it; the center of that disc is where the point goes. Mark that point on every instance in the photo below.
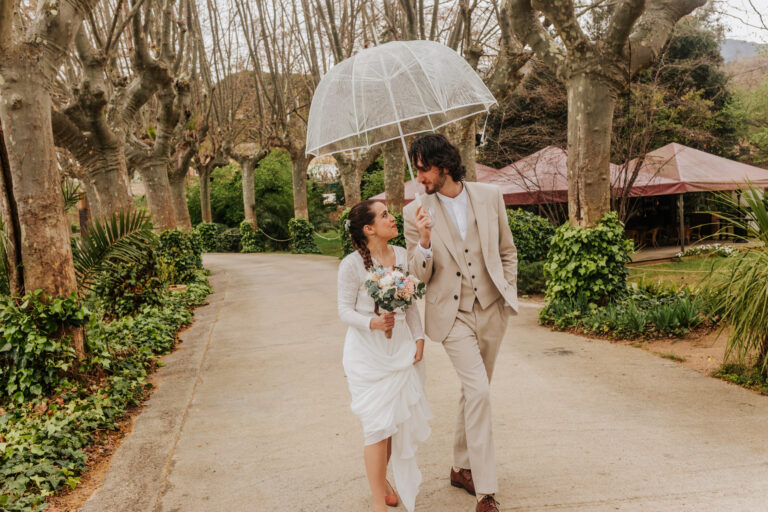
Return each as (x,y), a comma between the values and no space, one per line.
(385,376)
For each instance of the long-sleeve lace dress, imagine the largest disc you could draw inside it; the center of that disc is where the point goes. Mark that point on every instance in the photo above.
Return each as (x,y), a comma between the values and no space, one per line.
(386,387)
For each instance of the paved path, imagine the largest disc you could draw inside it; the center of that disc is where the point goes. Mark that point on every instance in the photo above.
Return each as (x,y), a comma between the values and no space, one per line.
(252,414)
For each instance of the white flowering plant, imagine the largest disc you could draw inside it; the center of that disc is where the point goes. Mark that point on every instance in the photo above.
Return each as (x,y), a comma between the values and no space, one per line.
(715,249)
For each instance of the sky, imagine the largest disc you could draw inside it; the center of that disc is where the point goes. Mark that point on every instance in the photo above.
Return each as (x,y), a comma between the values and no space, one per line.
(737,28)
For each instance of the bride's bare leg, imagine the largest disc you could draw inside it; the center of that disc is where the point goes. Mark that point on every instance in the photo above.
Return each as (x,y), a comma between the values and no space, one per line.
(390,489)
(376,469)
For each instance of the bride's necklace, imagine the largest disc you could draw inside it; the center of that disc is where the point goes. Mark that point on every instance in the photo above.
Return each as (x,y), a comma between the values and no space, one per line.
(390,252)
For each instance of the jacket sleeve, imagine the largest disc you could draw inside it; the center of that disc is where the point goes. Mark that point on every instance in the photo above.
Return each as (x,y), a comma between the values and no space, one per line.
(418,263)
(507,249)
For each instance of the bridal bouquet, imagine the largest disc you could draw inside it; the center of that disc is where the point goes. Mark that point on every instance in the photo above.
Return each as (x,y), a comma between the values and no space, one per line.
(394,289)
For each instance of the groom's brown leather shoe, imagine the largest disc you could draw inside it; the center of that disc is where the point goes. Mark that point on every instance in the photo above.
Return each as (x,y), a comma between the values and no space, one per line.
(487,504)
(463,479)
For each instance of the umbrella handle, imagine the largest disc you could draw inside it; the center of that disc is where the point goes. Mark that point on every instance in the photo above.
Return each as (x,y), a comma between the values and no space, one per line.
(416,195)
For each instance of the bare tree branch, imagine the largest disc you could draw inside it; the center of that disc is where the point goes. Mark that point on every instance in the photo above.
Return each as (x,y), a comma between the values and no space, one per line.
(622,22)
(530,30)
(654,27)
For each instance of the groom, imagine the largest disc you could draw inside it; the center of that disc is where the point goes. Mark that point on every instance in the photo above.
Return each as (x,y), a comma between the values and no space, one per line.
(459,243)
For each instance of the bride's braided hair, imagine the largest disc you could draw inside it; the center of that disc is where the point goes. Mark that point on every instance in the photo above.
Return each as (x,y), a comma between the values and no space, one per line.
(361,215)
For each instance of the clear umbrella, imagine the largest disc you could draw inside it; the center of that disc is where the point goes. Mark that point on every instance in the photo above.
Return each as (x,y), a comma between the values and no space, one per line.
(391,91)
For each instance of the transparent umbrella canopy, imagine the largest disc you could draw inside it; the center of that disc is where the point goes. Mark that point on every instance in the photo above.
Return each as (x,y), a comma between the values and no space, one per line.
(390,91)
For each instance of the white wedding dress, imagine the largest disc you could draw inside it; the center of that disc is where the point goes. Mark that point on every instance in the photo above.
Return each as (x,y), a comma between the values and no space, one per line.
(387,388)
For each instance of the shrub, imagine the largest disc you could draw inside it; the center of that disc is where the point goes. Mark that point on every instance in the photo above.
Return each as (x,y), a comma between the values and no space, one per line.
(346,241)
(179,255)
(635,316)
(34,355)
(372,182)
(44,440)
(532,234)
(588,262)
(531,277)
(209,232)
(127,287)
(303,237)
(250,238)
(400,238)
(229,240)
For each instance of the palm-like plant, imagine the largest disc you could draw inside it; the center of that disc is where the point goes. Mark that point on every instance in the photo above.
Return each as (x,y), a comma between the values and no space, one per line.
(124,237)
(739,294)
(71,192)
(738,291)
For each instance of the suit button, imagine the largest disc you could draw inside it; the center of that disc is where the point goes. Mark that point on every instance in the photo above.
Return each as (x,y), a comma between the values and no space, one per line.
(473,277)
(475,289)
(470,263)
(424,264)
(456,297)
(458,274)
(466,250)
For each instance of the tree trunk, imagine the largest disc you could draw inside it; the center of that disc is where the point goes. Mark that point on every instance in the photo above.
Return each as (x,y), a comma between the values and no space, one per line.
(351,167)
(351,177)
(205,193)
(25,112)
(299,165)
(179,197)
(10,222)
(154,175)
(591,101)
(108,175)
(394,188)
(249,194)
(462,135)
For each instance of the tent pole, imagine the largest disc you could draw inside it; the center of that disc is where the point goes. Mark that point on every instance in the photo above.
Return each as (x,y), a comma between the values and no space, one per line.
(681,215)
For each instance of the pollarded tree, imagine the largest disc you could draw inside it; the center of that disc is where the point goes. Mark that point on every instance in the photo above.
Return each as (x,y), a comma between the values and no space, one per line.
(30,59)
(595,69)
(102,102)
(166,51)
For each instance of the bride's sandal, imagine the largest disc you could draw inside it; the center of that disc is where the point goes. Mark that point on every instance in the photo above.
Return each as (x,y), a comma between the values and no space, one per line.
(391,499)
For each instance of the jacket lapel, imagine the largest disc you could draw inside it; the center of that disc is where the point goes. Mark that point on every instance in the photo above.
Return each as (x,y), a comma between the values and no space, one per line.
(481,217)
(441,225)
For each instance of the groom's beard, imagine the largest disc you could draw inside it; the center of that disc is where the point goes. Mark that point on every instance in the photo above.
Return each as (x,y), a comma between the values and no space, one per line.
(436,186)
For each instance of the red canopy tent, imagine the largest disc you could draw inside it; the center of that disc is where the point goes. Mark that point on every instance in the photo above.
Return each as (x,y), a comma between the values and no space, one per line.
(673,169)
(697,171)
(542,178)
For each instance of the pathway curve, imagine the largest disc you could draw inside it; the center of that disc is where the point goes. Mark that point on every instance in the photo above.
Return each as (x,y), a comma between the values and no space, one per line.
(251,413)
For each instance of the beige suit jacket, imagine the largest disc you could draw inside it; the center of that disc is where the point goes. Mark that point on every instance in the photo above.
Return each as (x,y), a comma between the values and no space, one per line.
(440,271)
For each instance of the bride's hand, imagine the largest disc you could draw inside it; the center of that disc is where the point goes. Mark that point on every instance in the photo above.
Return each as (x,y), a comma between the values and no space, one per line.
(383,322)
(419,351)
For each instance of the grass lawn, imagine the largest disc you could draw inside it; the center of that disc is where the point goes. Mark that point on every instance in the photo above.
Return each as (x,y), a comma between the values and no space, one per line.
(329,247)
(687,272)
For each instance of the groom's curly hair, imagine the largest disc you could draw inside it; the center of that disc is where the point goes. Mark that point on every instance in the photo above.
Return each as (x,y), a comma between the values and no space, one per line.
(435,149)
(361,215)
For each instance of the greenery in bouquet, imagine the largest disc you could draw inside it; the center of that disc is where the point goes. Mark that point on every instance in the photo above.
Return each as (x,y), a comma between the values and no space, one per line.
(394,289)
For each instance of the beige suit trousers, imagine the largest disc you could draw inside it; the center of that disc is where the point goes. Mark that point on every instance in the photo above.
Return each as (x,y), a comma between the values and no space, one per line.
(472,345)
